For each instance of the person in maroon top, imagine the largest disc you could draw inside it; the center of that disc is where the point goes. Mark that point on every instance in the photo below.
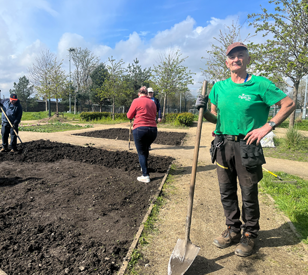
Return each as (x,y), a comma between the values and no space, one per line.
(143,109)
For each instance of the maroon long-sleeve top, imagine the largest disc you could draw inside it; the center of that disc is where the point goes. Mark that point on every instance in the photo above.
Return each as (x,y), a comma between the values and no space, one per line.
(143,109)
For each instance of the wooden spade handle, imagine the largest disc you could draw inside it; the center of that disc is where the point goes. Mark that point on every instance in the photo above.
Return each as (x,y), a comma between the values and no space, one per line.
(194,168)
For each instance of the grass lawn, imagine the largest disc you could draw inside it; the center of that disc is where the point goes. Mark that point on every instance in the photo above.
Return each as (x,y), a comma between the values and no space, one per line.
(282,151)
(299,125)
(52,127)
(290,197)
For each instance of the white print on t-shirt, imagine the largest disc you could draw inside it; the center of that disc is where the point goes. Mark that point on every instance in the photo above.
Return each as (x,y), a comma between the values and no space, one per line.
(246,97)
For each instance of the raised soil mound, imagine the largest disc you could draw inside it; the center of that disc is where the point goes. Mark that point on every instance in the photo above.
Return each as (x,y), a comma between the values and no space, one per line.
(164,138)
(68,209)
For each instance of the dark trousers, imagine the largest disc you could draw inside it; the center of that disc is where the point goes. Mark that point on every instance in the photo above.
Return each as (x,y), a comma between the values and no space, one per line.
(144,137)
(229,168)
(5,131)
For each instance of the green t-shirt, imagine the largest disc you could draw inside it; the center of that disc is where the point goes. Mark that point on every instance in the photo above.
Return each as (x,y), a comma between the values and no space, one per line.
(243,107)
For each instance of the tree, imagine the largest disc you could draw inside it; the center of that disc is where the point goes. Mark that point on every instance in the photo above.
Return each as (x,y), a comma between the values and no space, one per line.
(98,76)
(301,92)
(85,62)
(286,53)
(24,90)
(216,68)
(138,76)
(112,85)
(40,73)
(171,76)
(58,82)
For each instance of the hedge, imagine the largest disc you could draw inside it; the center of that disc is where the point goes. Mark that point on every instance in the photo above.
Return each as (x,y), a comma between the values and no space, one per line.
(88,116)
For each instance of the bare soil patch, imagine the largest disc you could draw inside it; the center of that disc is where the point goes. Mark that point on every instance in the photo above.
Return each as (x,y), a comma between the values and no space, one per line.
(164,138)
(68,209)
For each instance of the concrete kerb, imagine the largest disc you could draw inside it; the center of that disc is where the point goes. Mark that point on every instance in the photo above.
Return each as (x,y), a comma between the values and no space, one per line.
(140,230)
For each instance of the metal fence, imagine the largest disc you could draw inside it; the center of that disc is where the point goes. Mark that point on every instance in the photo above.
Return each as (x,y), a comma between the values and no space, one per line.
(273,111)
(108,108)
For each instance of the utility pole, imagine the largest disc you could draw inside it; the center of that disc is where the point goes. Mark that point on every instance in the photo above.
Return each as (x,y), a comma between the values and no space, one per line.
(305,101)
(70,96)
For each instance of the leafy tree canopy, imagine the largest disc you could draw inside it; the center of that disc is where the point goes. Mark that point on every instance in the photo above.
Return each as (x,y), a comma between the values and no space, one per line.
(285,54)
(24,90)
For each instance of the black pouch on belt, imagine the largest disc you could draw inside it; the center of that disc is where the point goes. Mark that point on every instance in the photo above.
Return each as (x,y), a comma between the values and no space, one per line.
(252,155)
(217,142)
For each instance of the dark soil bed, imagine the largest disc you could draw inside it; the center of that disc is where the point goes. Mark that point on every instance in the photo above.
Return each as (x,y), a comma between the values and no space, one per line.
(68,209)
(165,138)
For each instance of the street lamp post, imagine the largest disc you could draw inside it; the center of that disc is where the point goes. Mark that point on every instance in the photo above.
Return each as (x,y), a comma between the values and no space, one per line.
(49,103)
(70,96)
(305,100)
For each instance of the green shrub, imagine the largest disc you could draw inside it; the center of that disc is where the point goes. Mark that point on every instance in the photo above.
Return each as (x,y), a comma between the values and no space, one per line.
(185,119)
(88,116)
(169,118)
(120,116)
(293,138)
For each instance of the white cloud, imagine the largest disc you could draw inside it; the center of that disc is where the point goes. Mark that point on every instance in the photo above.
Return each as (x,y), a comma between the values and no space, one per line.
(193,41)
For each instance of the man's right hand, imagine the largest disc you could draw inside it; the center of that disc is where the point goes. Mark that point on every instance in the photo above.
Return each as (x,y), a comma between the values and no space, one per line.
(202,102)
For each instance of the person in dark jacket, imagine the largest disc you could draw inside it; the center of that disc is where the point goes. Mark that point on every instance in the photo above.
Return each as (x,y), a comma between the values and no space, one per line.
(156,101)
(13,110)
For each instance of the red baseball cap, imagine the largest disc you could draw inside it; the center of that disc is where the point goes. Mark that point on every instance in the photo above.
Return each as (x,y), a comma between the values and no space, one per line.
(236,45)
(13,97)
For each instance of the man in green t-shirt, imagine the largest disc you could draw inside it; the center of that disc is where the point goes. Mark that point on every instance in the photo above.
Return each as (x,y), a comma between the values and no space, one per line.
(239,108)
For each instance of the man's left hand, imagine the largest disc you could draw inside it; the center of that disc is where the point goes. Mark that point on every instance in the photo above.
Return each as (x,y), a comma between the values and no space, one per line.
(201,102)
(257,134)
(159,119)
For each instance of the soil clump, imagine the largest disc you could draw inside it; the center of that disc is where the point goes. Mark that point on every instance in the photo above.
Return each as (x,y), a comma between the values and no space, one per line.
(68,209)
(164,138)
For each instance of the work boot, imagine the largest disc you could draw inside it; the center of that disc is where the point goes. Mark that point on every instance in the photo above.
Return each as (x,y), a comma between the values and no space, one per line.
(145,179)
(13,150)
(245,247)
(3,150)
(227,238)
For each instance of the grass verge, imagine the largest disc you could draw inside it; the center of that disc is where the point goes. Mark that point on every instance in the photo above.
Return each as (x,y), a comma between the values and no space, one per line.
(284,150)
(51,127)
(149,225)
(291,197)
(299,125)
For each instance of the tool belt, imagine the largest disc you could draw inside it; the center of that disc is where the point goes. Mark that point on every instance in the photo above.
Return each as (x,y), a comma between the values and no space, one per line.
(234,138)
(216,143)
(251,154)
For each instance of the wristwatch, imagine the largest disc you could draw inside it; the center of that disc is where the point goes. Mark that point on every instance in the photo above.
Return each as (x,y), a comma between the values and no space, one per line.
(272,124)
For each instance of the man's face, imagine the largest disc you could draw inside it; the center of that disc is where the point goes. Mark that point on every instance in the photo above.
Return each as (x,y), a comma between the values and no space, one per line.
(13,101)
(151,94)
(237,60)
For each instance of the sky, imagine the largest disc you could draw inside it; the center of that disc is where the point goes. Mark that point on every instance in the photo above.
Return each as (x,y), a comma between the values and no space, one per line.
(124,29)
